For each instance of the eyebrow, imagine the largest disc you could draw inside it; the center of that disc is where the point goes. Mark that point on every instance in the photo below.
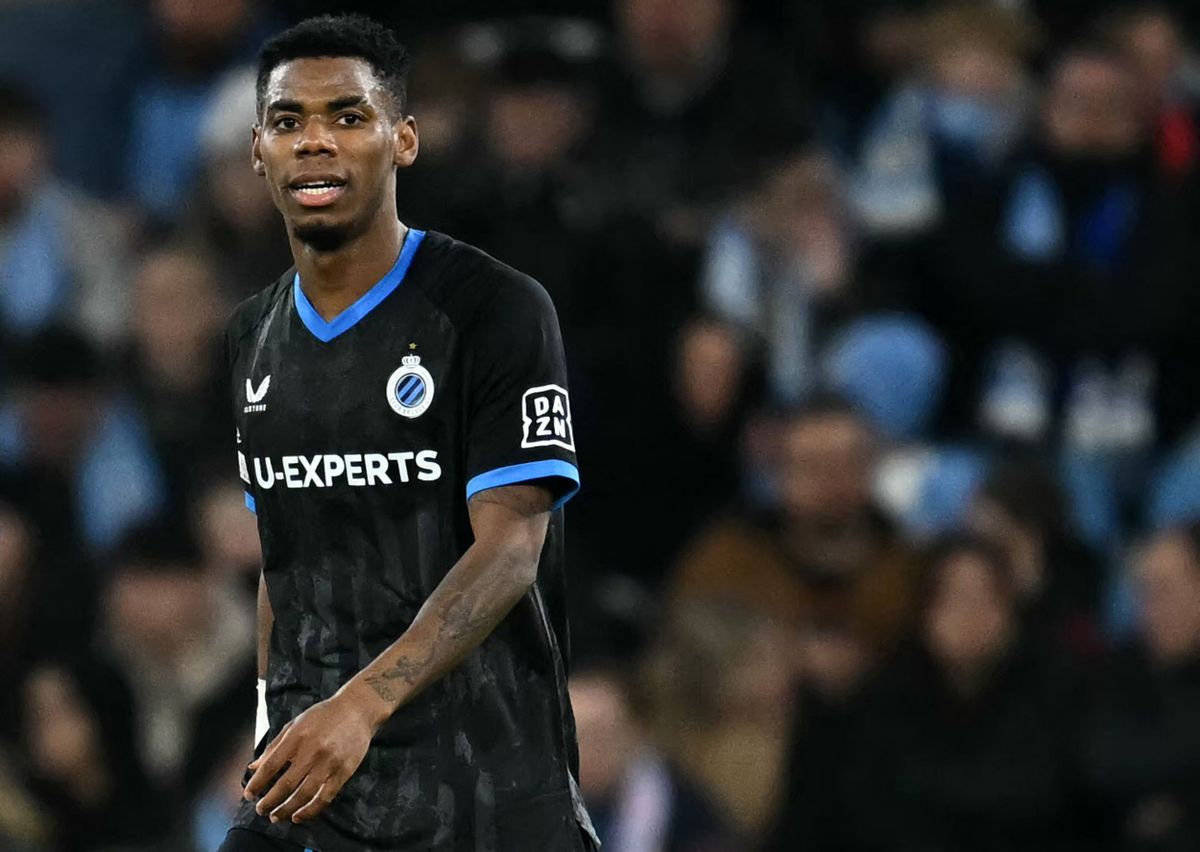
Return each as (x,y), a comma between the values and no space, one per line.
(285,106)
(346,102)
(331,106)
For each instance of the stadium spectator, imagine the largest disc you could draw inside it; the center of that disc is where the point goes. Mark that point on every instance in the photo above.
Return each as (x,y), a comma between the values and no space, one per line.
(826,555)
(62,255)
(1141,754)
(1152,40)
(105,40)
(679,135)
(810,808)
(823,581)
(711,388)
(229,215)
(1064,294)
(855,54)
(518,197)
(77,452)
(185,644)
(965,740)
(190,47)
(47,606)
(173,359)
(718,680)
(1022,510)
(778,268)
(631,341)
(23,825)
(80,738)
(637,800)
(228,536)
(941,130)
(451,102)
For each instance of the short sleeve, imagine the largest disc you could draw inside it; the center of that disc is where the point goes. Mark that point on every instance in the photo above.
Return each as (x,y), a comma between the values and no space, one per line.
(519,427)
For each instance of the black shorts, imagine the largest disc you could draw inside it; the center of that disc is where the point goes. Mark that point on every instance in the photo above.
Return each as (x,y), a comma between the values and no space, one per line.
(245,840)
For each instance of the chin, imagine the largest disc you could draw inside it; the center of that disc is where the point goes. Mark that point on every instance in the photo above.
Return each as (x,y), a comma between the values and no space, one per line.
(321,234)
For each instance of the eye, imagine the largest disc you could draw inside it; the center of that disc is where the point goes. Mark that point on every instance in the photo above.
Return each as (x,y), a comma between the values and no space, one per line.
(350,119)
(286,122)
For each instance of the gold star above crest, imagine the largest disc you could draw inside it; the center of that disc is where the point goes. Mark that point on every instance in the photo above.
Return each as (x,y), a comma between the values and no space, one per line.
(412,346)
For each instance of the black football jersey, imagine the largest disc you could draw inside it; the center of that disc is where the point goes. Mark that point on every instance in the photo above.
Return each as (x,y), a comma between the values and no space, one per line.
(360,441)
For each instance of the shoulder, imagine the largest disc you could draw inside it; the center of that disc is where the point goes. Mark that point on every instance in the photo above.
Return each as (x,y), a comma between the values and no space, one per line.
(250,314)
(733,561)
(906,683)
(1123,674)
(731,533)
(469,285)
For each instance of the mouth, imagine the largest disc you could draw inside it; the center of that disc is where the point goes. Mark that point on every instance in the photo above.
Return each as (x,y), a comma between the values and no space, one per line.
(317,192)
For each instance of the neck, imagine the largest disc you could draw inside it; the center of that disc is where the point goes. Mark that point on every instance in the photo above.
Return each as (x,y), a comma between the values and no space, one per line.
(183,368)
(674,88)
(334,280)
(969,678)
(90,785)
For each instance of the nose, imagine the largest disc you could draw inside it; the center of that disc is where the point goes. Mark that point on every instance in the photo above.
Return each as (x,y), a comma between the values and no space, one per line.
(315,139)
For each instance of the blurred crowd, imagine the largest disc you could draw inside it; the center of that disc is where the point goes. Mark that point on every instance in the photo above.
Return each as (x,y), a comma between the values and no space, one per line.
(880,326)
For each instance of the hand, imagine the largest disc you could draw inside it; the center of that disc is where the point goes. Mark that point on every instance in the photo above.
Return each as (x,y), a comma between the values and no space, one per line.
(320,749)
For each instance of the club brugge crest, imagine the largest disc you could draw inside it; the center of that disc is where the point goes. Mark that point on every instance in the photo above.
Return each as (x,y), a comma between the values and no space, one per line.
(410,388)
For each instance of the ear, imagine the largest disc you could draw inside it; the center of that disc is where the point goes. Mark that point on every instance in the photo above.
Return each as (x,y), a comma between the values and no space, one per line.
(407,142)
(256,160)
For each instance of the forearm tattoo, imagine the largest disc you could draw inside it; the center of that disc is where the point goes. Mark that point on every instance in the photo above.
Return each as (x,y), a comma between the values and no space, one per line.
(468,604)
(464,619)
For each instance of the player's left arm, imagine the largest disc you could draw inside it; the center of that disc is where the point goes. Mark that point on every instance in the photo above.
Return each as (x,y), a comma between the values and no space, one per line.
(509,524)
(324,746)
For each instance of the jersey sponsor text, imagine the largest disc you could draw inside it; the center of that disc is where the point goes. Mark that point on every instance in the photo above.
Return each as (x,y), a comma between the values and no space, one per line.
(357,470)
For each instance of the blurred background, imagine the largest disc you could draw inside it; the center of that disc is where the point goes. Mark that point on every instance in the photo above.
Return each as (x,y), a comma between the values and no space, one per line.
(880,319)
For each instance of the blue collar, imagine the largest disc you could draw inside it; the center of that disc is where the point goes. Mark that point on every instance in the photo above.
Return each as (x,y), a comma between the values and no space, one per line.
(326,330)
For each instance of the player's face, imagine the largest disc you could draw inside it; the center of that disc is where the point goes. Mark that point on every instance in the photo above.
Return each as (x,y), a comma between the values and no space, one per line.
(329,147)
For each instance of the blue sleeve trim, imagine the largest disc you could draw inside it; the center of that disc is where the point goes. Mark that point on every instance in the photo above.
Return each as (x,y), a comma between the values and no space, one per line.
(524,473)
(250,504)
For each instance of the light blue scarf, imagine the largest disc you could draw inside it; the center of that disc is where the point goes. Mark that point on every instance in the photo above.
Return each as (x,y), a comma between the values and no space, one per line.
(35,272)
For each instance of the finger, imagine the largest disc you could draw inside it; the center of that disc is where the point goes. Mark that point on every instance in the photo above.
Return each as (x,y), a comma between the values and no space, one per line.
(254,764)
(303,795)
(317,803)
(328,792)
(270,764)
(281,789)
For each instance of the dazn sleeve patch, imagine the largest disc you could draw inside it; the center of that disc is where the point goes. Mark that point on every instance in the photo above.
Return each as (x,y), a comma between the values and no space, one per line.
(519,407)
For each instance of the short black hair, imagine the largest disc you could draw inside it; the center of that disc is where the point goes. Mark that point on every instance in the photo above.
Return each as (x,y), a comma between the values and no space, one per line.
(58,356)
(967,543)
(354,36)
(824,402)
(156,546)
(1028,489)
(20,109)
(1190,530)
